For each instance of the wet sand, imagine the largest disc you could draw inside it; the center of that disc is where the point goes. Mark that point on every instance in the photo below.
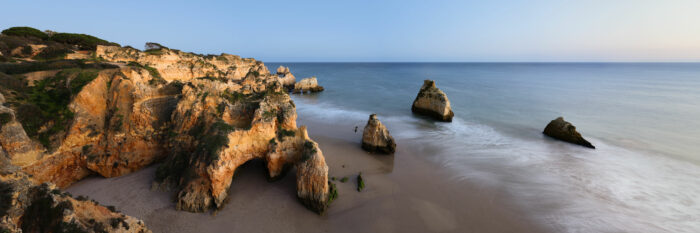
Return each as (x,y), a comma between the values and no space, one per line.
(404,193)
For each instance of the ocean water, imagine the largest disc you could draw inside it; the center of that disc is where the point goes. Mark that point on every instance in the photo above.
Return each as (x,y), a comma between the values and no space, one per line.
(643,118)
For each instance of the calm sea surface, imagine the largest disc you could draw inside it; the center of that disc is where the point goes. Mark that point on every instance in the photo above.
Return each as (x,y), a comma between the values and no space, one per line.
(644,119)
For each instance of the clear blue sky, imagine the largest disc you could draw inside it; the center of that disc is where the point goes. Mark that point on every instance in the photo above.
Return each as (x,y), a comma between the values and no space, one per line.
(358,30)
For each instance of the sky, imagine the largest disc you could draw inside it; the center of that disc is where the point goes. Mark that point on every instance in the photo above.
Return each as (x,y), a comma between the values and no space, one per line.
(387,31)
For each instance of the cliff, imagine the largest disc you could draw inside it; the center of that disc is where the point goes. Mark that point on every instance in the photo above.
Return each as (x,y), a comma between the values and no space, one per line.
(124,109)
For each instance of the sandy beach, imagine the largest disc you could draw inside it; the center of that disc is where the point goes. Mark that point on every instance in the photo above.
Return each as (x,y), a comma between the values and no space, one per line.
(404,193)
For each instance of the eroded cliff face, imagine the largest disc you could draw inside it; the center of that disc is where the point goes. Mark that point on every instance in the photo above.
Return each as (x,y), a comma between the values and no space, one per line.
(202,115)
(177,65)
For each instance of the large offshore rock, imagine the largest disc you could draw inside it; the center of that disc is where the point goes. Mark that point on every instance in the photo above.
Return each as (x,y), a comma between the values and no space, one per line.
(431,101)
(376,137)
(565,131)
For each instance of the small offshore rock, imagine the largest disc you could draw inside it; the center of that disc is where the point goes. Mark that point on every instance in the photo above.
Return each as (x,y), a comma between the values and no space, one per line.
(431,101)
(376,137)
(565,131)
(307,85)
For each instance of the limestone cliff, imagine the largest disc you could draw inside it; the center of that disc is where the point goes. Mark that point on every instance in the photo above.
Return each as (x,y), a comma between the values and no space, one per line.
(125,109)
(431,101)
(177,65)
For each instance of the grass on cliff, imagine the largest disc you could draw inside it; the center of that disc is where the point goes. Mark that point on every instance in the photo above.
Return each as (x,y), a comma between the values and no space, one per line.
(156,79)
(52,53)
(26,67)
(43,109)
(209,141)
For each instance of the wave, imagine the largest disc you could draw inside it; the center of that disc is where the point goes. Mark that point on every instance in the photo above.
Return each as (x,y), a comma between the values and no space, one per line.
(573,188)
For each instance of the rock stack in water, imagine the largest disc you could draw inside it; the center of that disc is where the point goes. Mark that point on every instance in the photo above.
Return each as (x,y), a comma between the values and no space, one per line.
(286,78)
(307,85)
(565,131)
(431,101)
(376,138)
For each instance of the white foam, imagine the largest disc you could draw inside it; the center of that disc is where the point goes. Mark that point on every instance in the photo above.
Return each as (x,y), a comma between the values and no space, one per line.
(573,188)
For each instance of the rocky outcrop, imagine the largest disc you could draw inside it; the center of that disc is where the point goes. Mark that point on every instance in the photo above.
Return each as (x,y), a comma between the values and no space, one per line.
(202,115)
(219,131)
(177,65)
(307,85)
(565,131)
(376,137)
(431,101)
(286,78)
(28,207)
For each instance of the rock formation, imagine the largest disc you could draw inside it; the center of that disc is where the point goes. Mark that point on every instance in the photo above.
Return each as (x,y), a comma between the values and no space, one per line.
(307,85)
(376,138)
(565,131)
(286,78)
(431,101)
(28,207)
(125,109)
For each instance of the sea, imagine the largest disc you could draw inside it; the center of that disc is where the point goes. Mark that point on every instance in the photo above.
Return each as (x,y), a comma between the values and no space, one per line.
(643,118)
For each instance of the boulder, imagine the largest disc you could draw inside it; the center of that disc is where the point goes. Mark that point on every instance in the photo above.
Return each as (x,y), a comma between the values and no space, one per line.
(307,85)
(431,101)
(565,131)
(376,138)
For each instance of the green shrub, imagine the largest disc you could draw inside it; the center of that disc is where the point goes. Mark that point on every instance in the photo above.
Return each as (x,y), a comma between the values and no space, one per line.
(332,193)
(281,132)
(156,78)
(83,41)
(25,32)
(26,67)
(5,118)
(45,215)
(50,53)
(6,191)
(344,179)
(360,182)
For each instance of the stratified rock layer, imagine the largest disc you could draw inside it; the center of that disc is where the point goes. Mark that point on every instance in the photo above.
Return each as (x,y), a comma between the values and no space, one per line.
(565,131)
(376,137)
(202,115)
(307,85)
(431,101)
